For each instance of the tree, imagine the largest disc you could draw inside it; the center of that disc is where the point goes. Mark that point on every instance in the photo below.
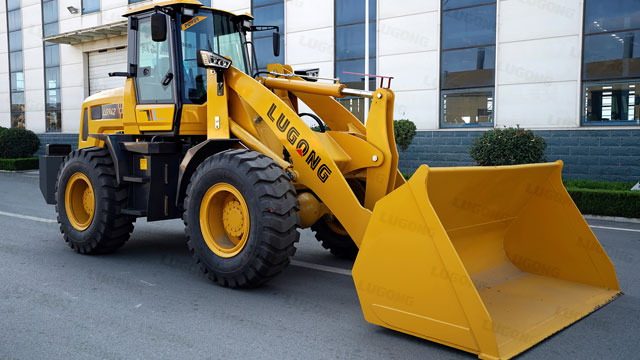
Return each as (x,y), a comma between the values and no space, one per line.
(404,131)
(508,146)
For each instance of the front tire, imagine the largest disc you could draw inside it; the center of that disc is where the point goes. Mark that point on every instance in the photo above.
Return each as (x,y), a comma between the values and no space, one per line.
(240,218)
(88,203)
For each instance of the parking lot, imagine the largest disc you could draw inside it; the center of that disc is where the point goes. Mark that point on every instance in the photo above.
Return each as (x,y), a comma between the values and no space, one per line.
(148,300)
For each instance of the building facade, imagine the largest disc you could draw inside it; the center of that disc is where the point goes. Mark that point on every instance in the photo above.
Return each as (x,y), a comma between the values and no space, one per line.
(567,69)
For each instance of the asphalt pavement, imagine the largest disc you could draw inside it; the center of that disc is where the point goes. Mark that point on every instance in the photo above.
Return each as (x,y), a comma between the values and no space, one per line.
(148,300)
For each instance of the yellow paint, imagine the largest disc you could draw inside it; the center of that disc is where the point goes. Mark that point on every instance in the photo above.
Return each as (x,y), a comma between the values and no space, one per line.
(499,259)
(143,163)
(155,117)
(217,108)
(79,201)
(224,220)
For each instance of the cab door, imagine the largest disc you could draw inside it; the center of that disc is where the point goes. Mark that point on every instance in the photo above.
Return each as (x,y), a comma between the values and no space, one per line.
(155,79)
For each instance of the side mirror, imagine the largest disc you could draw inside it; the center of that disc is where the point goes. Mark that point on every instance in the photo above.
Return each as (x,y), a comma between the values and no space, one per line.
(276,44)
(158,27)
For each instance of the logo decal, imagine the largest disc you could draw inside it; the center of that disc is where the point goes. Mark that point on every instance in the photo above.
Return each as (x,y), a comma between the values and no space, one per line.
(302,146)
(192,22)
(151,115)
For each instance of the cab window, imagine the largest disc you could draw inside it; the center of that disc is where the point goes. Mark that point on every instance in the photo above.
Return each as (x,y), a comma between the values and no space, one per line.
(155,72)
(207,31)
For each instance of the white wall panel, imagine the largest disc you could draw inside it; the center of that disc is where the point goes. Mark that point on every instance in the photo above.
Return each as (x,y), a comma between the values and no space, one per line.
(408,34)
(34,101)
(309,46)
(308,14)
(34,79)
(392,8)
(70,120)
(33,58)
(545,105)
(552,59)
(231,5)
(417,71)
(534,19)
(420,106)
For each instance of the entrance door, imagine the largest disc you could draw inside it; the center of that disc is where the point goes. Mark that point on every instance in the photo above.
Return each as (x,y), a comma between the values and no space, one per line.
(155,80)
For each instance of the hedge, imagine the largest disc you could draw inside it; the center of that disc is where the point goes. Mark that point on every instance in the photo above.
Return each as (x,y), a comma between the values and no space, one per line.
(607,202)
(599,184)
(19,164)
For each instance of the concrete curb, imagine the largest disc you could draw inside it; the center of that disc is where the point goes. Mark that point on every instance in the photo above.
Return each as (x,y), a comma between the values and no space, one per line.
(612,218)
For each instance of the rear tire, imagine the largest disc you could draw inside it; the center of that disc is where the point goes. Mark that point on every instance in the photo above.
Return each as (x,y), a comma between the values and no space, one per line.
(340,245)
(231,252)
(87,177)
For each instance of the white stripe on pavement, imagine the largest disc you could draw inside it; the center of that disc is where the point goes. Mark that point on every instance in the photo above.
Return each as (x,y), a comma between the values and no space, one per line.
(614,228)
(330,269)
(303,264)
(27,217)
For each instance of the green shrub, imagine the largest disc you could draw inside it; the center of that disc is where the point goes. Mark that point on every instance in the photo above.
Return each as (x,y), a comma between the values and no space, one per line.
(508,146)
(606,202)
(2,130)
(19,164)
(404,131)
(598,184)
(18,143)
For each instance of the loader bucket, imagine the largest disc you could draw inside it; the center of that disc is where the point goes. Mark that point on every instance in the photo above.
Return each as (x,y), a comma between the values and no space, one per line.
(489,260)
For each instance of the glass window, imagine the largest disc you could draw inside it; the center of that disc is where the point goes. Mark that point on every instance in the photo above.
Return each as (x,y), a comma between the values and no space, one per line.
(462,108)
(15,40)
(17,119)
(466,68)
(89,6)
(355,66)
(467,63)
(350,41)
(13,4)
(54,120)
(17,81)
(53,98)
(267,12)
(50,12)
(256,3)
(197,35)
(455,4)
(52,77)
(611,15)
(351,11)
(475,26)
(612,55)
(154,66)
(15,61)
(17,101)
(269,15)
(15,20)
(611,104)
(51,55)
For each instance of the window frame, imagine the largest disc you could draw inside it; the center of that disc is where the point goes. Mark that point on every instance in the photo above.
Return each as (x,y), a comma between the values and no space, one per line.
(258,35)
(610,81)
(442,92)
(172,61)
(465,126)
(83,11)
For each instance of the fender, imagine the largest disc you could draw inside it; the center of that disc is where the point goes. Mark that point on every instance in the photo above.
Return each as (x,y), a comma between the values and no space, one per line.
(194,157)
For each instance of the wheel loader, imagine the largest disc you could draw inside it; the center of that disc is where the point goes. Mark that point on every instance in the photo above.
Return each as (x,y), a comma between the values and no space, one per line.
(488,260)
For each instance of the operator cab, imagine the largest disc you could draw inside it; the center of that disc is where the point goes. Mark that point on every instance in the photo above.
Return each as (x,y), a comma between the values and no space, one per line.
(163,45)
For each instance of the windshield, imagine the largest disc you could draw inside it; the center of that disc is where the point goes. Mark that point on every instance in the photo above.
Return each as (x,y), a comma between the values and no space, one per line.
(208,30)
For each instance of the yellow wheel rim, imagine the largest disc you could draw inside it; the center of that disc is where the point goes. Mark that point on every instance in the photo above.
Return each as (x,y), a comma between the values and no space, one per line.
(224,220)
(79,201)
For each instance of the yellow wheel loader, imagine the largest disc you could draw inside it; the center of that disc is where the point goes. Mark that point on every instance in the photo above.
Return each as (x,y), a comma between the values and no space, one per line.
(489,260)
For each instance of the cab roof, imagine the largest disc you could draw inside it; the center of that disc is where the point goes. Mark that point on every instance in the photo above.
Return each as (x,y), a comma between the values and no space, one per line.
(190,3)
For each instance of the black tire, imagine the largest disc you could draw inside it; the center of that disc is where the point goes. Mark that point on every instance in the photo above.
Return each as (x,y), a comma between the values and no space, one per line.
(109,229)
(340,246)
(271,201)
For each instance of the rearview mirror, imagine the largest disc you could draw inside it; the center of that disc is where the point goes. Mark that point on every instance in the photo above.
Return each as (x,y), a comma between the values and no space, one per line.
(276,44)
(158,27)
